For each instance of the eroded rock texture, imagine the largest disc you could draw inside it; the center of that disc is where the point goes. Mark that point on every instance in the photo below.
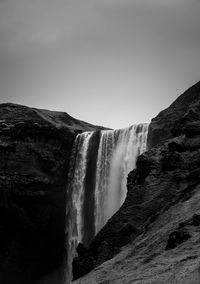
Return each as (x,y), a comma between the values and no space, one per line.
(172,121)
(154,237)
(35,148)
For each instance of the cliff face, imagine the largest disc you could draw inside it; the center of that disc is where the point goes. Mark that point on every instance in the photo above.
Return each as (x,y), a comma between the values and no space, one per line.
(171,122)
(35,148)
(154,237)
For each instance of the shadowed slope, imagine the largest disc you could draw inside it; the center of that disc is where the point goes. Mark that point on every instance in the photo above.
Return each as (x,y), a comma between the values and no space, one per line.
(35,149)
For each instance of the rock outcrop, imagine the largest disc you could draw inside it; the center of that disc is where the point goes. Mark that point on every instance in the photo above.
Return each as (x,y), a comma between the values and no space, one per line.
(154,237)
(35,149)
(171,122)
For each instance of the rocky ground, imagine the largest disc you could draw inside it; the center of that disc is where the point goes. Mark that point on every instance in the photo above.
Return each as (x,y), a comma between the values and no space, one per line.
(154,237)
(35,149)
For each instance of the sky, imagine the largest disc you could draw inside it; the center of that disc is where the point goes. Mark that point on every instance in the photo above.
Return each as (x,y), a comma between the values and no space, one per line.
(108,62)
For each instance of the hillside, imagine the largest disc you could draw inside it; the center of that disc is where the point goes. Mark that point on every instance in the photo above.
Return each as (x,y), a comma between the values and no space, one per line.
(154,237)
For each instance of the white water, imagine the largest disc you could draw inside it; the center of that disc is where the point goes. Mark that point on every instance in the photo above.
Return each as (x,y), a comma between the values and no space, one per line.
(77,185)
(75,194)
(117,156)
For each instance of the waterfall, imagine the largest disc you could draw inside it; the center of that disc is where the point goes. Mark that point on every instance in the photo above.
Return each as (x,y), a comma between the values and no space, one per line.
(117,156)
(77,186)
(102,161)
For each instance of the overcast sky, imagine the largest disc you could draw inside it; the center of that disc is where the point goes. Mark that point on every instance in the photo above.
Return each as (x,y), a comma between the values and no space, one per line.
(109,62)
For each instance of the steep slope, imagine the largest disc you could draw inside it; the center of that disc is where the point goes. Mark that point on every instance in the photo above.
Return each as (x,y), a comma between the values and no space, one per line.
(154,237)
(35,148)
(171,121)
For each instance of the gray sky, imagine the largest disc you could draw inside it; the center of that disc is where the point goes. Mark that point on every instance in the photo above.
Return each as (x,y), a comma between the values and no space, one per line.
(109,62)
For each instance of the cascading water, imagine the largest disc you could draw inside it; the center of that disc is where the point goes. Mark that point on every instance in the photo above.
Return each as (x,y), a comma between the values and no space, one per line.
(77,186)
(98,181)
(117,156)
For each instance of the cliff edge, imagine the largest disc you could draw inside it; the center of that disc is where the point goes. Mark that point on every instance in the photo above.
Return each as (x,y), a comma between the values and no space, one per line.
(170,122)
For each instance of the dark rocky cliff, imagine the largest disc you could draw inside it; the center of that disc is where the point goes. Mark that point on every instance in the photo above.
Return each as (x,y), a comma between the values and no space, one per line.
(172,121)
(35,148)
(154,237)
